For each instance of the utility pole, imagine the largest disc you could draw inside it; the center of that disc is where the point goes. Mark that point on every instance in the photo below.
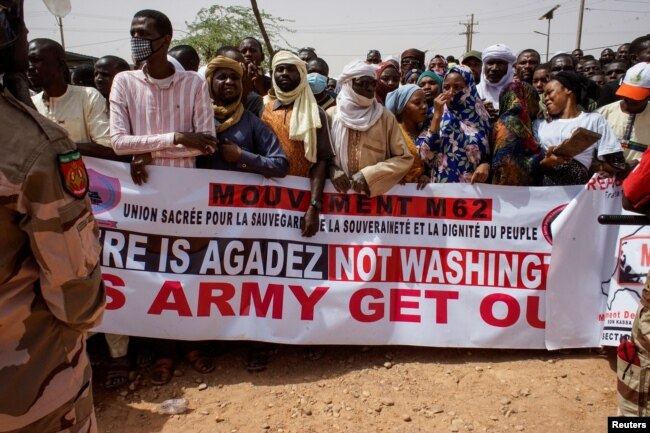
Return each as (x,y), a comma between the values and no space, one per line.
(547,16)
(59,21)
(469,32)
(580,17)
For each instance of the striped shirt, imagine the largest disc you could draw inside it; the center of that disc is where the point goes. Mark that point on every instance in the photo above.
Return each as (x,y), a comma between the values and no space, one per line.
(145,115)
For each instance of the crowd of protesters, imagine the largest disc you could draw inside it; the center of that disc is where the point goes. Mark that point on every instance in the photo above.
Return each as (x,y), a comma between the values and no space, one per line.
(494,116)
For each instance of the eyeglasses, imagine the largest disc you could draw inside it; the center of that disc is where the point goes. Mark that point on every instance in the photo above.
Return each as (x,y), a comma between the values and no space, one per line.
(410,61)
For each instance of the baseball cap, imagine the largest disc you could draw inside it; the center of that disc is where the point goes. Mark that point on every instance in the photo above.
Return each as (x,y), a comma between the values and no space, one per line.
(636,84)
(472,53)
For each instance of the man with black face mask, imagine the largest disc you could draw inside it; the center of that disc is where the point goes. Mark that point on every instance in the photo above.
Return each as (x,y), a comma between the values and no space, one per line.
(164,117)
(51,292)
(142,103)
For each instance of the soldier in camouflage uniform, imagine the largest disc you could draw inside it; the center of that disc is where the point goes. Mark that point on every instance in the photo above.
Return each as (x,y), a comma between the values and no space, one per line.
(633,362)
(50,282)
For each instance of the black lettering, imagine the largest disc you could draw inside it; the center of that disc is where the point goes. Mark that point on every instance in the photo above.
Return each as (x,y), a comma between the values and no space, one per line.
(295,199)
(219,196)
(339,203)
(479,213)
(436,207)
(385,204)
(276,197)
(363,204)
(250,195)
(403,202)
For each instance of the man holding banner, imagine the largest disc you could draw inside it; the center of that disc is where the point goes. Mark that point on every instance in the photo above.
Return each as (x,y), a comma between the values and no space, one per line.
(305,137)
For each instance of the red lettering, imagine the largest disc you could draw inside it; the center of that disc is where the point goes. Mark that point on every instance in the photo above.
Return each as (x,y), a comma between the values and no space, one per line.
(591,185)
(441,297)
(308,302)
(207,298)
(179,304)
(251,291)
(376,308)
(397,304)
(645,255)
(117,298)
(487,310)
(532,313)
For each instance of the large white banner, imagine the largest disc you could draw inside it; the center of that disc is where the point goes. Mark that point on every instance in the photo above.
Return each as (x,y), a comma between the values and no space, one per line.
(200,254)
(583,252)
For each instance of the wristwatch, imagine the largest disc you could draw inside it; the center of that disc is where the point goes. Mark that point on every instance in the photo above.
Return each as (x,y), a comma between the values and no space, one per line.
(318,204)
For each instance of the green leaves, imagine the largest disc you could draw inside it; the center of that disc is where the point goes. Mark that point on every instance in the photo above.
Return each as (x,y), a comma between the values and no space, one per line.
(218,25)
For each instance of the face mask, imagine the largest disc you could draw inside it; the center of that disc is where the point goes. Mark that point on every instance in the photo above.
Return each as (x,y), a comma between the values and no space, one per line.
(141,49)
(317,82)
(458,100)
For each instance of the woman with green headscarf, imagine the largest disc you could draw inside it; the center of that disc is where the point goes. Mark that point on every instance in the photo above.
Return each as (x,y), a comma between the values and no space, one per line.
(431,83)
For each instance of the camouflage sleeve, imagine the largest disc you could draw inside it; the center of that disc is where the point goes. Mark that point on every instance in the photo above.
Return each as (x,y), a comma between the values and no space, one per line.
(63,237)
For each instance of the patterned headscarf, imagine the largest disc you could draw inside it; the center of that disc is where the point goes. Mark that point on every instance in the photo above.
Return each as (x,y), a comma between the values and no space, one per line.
(464,129)
(440,71)
(305,119)
(231,114)
(516,151)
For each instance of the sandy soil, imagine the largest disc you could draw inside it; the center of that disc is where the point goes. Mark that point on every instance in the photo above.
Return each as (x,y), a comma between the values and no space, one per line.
(375,389)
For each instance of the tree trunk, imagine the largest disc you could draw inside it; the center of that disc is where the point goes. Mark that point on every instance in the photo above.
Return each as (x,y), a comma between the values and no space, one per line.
(258,17)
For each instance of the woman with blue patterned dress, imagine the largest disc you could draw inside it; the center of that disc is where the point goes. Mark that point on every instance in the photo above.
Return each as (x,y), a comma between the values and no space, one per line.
(458,146)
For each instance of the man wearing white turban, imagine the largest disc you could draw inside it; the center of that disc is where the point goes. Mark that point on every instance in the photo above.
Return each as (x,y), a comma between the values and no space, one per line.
(497,73)
(302,128)
(371,152)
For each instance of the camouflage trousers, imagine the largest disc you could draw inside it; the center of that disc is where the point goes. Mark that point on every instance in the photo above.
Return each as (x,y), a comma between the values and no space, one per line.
(633,381)
(75,416)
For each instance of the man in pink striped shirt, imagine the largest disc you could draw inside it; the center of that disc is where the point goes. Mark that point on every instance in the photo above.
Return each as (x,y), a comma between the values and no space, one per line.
(163,115)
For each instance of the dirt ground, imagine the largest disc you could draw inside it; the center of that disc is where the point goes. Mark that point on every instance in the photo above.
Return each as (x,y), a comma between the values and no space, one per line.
(375,389)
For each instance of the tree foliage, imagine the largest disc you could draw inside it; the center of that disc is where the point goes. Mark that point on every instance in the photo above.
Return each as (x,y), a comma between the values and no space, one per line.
(219,25)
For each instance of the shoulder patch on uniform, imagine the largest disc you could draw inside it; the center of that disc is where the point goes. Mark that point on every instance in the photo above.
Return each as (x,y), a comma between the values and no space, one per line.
(73,173)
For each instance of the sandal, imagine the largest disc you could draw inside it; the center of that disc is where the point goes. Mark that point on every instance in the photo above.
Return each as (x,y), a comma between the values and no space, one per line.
(200,361)
(256,360)
(145,357)
(162,371)
(118,373)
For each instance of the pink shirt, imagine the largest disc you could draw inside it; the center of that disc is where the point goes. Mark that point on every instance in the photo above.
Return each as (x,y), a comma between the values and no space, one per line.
(145,115)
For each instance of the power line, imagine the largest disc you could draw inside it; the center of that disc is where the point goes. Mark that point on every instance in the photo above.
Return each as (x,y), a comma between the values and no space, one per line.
(100,43)
(617,10)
